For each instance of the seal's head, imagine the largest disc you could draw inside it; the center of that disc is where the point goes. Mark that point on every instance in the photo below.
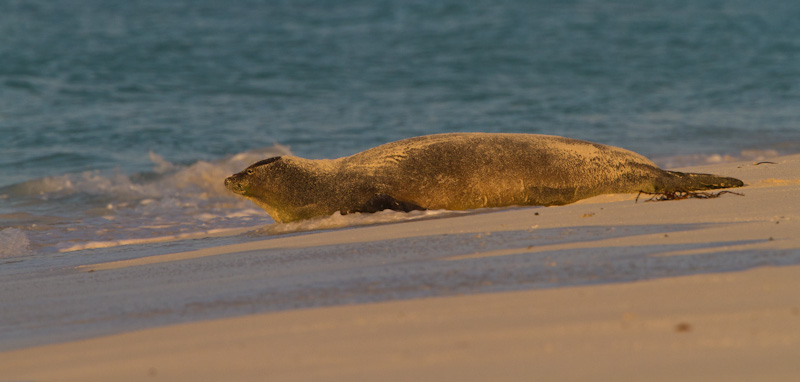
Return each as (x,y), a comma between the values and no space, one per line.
(284,186)
(261,182)
(246,183)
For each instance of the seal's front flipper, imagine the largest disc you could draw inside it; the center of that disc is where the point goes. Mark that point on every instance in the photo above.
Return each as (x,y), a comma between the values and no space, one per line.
(381,202)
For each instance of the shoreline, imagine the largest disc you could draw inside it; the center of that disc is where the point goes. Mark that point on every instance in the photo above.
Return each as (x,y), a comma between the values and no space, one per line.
(598,279)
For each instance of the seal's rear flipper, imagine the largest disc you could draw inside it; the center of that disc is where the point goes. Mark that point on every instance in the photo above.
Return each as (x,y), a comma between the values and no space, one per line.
(689,181)
(381,202)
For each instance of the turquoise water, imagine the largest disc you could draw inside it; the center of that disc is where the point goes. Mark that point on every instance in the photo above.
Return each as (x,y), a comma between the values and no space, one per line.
(120,119)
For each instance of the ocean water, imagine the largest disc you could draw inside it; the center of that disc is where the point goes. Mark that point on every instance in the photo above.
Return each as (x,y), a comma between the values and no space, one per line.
(119,120)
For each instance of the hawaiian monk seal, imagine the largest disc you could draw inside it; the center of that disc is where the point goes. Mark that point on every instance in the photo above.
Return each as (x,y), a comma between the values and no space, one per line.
(457,171)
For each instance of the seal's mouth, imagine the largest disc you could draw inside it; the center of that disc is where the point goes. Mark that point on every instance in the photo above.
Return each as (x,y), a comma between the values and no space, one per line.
(234,186)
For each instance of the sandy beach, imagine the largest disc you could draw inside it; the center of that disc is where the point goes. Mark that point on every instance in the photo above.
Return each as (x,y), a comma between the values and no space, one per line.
(604,289)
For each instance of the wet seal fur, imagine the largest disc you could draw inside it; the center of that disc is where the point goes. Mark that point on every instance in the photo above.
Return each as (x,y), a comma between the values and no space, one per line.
(457,171)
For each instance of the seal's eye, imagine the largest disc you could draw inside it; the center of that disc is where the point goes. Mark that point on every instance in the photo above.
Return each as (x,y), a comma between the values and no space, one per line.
(250,171)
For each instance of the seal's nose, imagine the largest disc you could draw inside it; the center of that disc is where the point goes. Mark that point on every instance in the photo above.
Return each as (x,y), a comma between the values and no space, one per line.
(230,183)
(234,185)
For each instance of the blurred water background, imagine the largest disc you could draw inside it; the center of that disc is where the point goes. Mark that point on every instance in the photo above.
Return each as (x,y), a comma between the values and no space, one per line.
(120,119)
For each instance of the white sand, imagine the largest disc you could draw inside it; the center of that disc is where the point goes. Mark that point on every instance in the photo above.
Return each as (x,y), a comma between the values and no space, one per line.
(719,326)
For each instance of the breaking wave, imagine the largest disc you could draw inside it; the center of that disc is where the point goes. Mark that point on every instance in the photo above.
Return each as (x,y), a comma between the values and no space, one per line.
(97,209)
